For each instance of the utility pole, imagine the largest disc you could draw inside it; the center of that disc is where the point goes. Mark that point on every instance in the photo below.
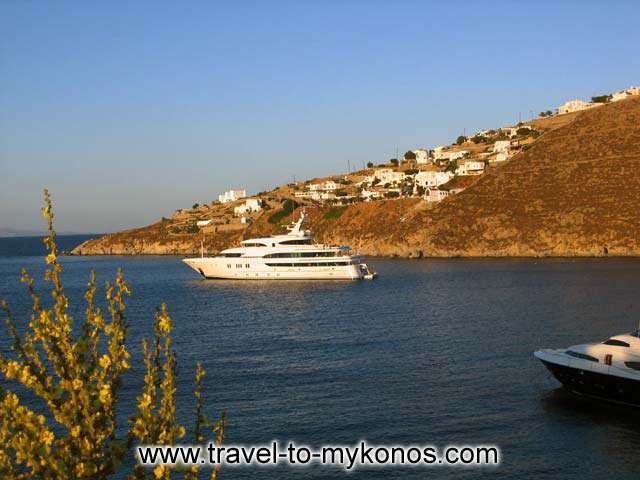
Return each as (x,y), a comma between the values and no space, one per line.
(349,166)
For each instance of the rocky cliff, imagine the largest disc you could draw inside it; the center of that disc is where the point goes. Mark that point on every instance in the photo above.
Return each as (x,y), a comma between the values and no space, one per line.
(574,192)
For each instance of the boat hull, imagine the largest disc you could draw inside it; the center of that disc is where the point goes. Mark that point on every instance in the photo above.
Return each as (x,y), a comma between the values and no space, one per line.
(595,384)
(255,269)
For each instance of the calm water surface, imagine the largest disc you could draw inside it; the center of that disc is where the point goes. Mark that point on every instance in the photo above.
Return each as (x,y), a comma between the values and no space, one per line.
(432,352)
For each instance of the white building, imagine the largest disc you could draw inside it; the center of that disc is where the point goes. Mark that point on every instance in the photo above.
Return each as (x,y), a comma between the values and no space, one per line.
(457,155)
(422,156)
(481,133)
(232,196)
(470,167)
(501,157)
(502,146)
(250,205)
(329,185)
(327,196)
(434,194)
(367,195)
(388,175)
(432,179)
(439,153)
(573,106)
(629,92)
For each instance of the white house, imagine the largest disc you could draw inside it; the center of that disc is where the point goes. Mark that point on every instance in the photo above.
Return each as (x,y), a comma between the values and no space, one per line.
(470,167)
(388,175)
(616,96)
(434,194)
(432,179)
(502,146)
(629,92)
(439,153)
(329,185)
(422,156)
(457,155)
(501,157)
(232,196)
(327,196)
(573,106)
(367,195)
(250,205)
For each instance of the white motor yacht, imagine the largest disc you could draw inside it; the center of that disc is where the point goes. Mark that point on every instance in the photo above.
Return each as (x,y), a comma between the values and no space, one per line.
(609,370)
(291,256)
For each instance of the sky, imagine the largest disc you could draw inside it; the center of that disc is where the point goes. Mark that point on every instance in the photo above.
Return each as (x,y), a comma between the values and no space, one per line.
(128,111)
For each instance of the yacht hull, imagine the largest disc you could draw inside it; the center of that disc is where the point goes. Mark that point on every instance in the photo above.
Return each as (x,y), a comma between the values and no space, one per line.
(256,269)
(595,384)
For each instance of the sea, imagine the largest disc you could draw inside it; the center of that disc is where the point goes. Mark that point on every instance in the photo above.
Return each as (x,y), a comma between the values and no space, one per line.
(432,352)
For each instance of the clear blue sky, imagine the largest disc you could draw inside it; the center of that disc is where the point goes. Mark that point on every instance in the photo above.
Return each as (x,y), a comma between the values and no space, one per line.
(130,110)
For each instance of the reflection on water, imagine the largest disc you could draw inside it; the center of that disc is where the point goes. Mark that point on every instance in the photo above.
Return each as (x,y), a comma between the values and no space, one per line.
(433,351)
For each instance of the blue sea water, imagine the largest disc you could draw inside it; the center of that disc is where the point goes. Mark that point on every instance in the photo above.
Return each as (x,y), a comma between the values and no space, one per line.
(432,352)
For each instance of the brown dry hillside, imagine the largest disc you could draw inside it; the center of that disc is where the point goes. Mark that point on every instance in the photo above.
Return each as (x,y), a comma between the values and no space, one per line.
(575,192)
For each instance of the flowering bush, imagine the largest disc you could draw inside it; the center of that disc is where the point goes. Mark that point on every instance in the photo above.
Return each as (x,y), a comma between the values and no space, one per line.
(77,375)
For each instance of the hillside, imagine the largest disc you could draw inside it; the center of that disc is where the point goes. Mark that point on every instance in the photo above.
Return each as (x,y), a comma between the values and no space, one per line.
(574,192)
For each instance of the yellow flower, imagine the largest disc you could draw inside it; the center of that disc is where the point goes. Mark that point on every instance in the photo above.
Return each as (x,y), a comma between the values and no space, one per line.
(12,369)
(105,395)
(105,361)
(77,384)
(75,431)
(47,438)
(159,471)
(165,324)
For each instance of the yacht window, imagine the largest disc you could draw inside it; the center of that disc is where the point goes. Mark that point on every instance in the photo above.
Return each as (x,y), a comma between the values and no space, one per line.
(617,343)
(314,264)
(254,245)
(296,242)
(299,254)
(583,356)
(633,365)
(231,255)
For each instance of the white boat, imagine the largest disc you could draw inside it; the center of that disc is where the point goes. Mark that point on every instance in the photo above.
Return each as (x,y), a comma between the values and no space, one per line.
(291,256)
(609,370)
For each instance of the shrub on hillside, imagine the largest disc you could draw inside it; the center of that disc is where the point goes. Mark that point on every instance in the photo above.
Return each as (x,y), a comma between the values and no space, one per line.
(334,213)
(288,206)
(601,99)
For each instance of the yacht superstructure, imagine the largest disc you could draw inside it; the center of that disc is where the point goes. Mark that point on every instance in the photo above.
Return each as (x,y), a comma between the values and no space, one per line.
(290,256)
(608,370)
